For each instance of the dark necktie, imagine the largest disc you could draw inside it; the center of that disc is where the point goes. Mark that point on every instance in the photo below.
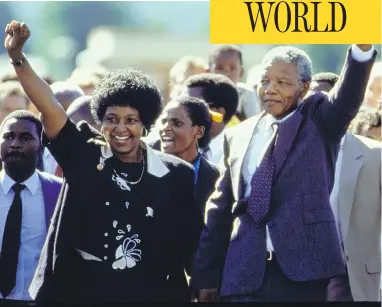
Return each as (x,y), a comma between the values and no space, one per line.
(11,243)
(261,183)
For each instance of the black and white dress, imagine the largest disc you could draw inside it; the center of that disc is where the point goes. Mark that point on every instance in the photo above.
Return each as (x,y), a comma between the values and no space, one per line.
(112,241)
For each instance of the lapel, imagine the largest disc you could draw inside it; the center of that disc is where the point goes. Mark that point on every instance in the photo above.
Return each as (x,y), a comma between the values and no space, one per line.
(239,151)
(351,164)
(155,166)
(200,183)
(156,170)
(206,181)
(287,132)
(49,197)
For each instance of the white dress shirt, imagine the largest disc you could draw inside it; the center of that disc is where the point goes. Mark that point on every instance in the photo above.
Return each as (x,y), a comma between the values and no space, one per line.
(261,139)
(33,229)
(334,196)
(215,150)
(49,164)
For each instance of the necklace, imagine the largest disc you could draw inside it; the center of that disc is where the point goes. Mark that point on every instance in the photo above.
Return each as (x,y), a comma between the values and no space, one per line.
(123,182)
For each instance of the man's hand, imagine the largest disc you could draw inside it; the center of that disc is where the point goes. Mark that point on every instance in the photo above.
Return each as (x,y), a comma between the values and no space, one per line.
(16,35)
(208,295)
(366,47)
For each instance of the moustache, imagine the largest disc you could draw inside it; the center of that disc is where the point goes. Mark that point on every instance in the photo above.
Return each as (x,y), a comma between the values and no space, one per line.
(15,154)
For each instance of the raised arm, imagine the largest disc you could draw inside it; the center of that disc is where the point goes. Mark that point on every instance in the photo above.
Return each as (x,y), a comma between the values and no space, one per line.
(53,116)
(347,95)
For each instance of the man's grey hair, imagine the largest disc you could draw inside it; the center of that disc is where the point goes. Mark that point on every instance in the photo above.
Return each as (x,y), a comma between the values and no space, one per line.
(294,55)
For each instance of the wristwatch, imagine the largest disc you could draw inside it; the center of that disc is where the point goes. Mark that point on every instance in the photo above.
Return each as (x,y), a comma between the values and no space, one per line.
(18,62)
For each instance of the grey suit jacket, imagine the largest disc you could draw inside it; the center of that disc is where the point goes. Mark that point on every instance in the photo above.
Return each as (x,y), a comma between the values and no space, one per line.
(360,215)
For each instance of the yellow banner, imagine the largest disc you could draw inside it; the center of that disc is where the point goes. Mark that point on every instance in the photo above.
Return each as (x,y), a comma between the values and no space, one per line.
(295,22)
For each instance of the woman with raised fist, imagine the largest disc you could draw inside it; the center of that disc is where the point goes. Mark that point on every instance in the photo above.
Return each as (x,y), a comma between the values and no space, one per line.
(126,220)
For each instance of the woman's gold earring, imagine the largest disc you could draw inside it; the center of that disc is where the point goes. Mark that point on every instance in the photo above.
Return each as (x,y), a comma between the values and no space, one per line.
(145,132)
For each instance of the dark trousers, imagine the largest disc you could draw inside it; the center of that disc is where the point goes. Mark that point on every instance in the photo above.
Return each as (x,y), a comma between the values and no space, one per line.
(276,287)
(339,289)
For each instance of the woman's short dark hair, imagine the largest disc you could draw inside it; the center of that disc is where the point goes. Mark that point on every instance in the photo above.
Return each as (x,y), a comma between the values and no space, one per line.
(128,88)
(218,91)
(199,113)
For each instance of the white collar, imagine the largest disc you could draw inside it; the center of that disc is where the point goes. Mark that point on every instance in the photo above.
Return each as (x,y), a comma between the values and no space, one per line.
(46,152)
(155,166)
(7,182)
(270,120)
(215,144)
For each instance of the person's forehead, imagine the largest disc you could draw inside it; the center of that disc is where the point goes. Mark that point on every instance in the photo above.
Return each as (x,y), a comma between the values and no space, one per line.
(122,111)
(17,125)
(279,67)
(229,55)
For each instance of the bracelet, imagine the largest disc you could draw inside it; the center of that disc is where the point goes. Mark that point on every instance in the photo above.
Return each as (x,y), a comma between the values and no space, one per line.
(18,62)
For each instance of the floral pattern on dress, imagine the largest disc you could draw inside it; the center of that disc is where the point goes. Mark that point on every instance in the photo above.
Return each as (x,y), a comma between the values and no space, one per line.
(127,255)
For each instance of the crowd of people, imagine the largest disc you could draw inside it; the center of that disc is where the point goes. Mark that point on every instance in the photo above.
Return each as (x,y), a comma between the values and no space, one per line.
(264,191)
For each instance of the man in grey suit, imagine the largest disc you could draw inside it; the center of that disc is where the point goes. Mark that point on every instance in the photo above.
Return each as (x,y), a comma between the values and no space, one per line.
(356,204)
(269,224)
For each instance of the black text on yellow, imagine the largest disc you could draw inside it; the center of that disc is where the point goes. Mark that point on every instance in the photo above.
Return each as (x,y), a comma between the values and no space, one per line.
(294,12)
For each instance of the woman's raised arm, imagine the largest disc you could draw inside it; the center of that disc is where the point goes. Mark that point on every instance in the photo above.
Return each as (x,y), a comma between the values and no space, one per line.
(53,115)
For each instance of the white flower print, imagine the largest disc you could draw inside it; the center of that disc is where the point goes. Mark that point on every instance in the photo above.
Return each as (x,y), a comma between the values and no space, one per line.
(126,255)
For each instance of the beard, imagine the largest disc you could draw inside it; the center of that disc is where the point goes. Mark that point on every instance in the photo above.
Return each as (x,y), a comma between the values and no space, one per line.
(18,162)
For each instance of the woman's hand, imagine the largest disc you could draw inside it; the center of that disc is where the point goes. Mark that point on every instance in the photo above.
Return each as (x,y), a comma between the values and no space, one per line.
(53,116)
(16,35)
